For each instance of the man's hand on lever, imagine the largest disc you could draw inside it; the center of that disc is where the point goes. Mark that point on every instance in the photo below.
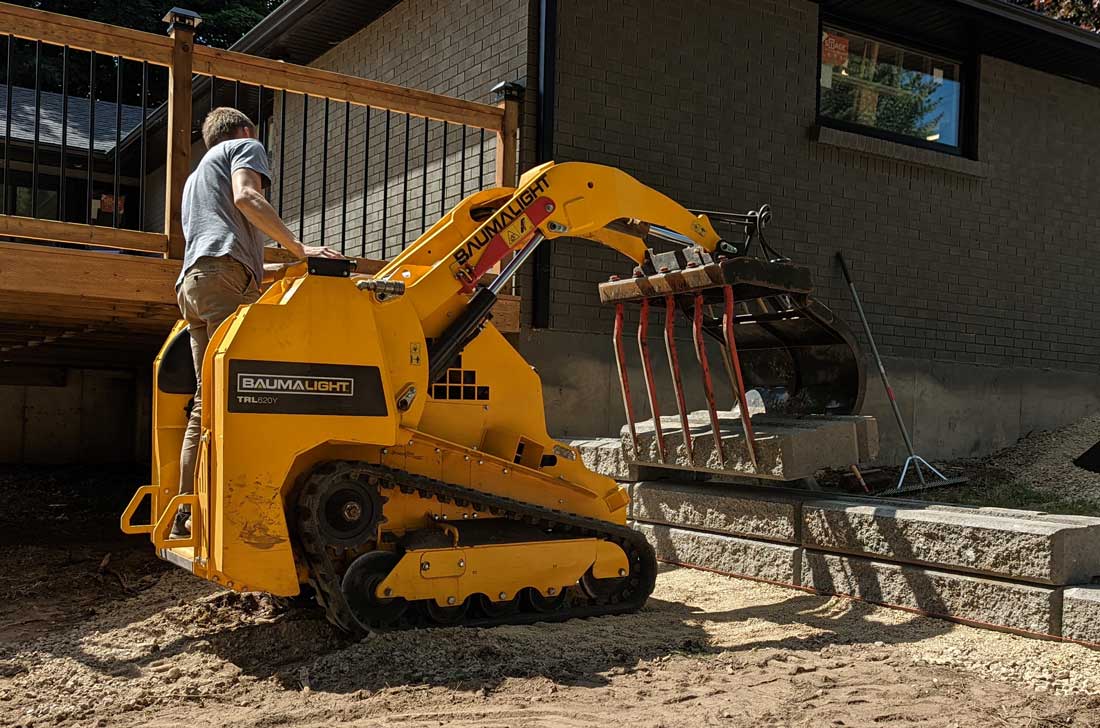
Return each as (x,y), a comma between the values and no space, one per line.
(321,251)
(249,198)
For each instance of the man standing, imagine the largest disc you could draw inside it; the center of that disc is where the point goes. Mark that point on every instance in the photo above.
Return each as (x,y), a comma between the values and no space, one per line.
(225,218)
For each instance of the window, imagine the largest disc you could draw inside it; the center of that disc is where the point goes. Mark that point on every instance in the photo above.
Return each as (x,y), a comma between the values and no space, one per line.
(885,90)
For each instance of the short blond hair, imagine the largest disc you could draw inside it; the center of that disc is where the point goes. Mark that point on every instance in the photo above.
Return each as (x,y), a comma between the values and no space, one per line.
(223,123)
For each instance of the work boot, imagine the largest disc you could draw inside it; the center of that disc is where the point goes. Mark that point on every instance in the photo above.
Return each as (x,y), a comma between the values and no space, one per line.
(181,526)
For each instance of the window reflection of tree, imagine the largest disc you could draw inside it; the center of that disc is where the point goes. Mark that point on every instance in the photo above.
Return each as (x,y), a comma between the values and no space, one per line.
(875,89)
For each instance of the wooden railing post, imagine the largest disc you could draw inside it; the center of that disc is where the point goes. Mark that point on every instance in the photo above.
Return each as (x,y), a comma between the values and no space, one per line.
(508,96)
(181,30)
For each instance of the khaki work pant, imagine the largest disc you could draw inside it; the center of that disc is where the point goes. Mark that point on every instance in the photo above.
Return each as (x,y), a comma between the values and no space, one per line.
(212,290)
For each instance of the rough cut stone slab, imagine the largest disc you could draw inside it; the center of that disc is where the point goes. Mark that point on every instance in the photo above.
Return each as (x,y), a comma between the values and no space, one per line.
(723,509)
(1023,607)
(1081,614)
(603,455)
(773,562)
(786,448)
(997,542)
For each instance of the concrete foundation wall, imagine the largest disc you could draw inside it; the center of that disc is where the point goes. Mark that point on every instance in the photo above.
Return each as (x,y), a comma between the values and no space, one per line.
(952,409)
(94,416)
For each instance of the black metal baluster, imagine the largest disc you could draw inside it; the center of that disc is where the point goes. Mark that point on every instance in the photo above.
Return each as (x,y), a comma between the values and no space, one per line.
(481,162)
(324,173)
(302,179)
(386,184)
(405,184)
(443,183)
(144,123)
(37,125)
(366,181)
(424,181)
(237,95)
(344,201)
(462,167)
(282,151)
(213,90)
(64,133)
(7,121)
(261,129)
(91,135)
(118,138)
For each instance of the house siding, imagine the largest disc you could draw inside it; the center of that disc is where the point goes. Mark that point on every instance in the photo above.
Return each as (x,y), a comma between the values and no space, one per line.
(961,266)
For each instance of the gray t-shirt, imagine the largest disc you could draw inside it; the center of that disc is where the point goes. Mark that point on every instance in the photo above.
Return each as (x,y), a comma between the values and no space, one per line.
(212,224)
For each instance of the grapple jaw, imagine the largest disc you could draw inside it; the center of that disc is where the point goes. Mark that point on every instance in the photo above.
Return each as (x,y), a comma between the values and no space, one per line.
(769,333)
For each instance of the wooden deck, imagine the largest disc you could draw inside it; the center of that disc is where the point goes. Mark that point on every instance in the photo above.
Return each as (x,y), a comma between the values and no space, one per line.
(103,309)
(94,295)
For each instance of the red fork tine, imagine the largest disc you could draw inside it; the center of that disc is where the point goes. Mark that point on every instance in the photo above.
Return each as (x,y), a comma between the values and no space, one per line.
(674,367)
(624,383)
(647,370)
(738,382)
(708,385)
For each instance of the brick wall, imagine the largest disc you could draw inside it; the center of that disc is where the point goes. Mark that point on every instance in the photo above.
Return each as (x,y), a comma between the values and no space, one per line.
(713,103)
(456,47)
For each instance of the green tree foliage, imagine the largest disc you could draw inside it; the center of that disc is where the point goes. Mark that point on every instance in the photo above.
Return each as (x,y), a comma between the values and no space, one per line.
(884,96)
(223,23)
(1084,13)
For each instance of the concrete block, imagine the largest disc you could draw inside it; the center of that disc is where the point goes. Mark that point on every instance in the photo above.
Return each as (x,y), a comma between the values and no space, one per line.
(1081,614)
(52,417)
(720,509)
(12,399)
(1024,547)
(779,563)
(991,602)
(786,448)
(603,455)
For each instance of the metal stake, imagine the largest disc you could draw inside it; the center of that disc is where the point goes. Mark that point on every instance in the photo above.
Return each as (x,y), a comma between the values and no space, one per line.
(647,371)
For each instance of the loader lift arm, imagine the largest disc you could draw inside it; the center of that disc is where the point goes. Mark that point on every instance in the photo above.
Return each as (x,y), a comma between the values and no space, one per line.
(572,199)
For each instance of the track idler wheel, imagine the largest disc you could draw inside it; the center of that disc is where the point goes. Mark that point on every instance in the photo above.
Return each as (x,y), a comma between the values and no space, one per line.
(496,610)
(445,616)
(359,584)
(537,602)
(605,591)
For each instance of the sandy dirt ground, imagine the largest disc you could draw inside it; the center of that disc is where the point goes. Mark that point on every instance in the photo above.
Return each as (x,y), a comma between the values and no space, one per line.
(94,631)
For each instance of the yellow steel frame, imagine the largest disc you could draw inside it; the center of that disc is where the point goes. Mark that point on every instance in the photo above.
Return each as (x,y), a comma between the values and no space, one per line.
(251,463)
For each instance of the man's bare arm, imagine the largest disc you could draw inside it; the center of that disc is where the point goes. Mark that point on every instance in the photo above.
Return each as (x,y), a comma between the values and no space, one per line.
(249,198)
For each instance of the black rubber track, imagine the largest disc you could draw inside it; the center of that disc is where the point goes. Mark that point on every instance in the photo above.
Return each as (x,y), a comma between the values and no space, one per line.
(323,559)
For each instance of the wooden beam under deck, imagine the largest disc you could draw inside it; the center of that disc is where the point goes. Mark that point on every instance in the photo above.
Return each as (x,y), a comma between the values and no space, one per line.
(94,308)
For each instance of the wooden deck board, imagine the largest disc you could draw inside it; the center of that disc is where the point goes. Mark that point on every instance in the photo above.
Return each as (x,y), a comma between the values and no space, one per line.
(60,305)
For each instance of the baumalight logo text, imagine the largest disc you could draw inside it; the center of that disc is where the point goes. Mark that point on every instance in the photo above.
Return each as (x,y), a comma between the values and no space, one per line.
(295,384)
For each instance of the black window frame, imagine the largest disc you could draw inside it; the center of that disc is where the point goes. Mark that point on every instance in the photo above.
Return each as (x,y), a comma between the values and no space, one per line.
(969,73)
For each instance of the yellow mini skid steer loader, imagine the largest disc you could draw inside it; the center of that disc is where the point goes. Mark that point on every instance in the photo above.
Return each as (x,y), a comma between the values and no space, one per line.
(377,440)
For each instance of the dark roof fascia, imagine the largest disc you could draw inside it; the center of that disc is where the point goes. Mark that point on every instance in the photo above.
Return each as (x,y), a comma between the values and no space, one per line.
(274,24)
(1034,20)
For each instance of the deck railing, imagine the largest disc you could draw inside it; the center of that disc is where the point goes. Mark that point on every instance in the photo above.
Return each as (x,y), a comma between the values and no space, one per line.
(99,125)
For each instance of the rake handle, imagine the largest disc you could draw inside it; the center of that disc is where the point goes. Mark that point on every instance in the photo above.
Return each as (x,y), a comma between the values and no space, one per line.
(878,358)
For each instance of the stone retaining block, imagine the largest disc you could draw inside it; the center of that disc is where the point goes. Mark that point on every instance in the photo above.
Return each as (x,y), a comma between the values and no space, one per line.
(779,563)
(1081,614)
(786,448)
(726,510)
(990,602)
(1017,545)
(603,455)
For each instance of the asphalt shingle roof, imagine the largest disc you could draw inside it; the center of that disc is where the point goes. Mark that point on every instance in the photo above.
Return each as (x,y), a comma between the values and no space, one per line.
(22,119)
